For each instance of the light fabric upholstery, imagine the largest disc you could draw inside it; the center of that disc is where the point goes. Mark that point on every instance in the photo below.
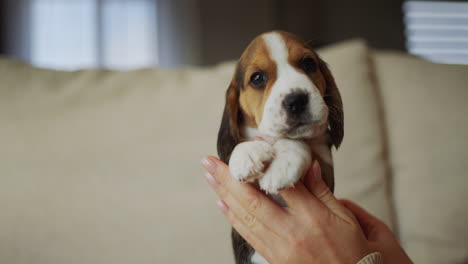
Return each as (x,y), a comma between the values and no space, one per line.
(425,107)
(102,166)
(360,164)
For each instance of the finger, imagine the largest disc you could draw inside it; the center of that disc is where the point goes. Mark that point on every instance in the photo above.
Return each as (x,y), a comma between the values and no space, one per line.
(309,178)
(319,189)
(249,215)
(298,199)
(257,242)
(240,227)
(300,196)
(369,223)
(245,200)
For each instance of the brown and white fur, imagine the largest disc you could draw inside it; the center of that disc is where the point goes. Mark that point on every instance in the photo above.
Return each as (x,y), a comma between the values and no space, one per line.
(283,92)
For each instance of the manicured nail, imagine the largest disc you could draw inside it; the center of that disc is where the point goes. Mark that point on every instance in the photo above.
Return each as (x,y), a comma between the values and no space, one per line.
(211,180)
(317,171)
(209,164)
(223,206)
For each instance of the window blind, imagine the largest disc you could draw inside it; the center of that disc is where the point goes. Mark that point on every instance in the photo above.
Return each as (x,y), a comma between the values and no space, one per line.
(437,31)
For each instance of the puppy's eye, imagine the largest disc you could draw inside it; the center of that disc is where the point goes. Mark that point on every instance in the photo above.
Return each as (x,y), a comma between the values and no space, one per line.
(308,65)
(258,80)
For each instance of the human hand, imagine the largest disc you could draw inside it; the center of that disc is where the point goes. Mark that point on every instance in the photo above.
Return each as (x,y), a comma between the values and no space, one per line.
(380,238)
(315,228)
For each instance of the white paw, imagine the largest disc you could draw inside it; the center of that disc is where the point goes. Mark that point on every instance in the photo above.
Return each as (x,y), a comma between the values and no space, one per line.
(258,259)
(249,160)
(281,174)
(292,161)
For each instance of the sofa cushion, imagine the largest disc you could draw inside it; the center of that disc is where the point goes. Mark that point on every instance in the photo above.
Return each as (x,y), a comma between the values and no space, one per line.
(360,163)
(425,107)
(103,166)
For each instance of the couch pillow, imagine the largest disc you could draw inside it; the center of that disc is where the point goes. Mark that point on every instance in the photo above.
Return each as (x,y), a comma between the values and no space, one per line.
(102,166)
(425,107)
(360,162)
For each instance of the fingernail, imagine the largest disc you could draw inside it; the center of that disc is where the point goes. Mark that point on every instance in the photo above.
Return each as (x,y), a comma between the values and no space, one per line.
(222,206)
(317,171)
(211,180)
(209,164)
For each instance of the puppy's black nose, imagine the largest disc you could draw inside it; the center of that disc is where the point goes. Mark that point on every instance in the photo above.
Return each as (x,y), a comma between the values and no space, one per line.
(296,103)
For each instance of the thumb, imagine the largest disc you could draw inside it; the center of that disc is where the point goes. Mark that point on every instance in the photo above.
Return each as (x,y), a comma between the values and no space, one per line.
(370,224)
(314,182)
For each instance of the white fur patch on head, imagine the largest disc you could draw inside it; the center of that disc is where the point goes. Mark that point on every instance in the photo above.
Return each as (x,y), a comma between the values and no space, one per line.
(290,80)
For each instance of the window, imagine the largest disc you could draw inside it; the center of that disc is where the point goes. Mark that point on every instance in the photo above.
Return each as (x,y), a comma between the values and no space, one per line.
(118,34)
(437,31)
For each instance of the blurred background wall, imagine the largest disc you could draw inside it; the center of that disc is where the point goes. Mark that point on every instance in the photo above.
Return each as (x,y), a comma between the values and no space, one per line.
(227,27)
(197,32)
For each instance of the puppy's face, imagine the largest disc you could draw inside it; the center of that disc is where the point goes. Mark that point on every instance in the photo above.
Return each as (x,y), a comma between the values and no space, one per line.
(282,88)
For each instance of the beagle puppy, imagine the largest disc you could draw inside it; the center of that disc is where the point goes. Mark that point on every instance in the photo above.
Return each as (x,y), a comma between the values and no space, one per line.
(284,93)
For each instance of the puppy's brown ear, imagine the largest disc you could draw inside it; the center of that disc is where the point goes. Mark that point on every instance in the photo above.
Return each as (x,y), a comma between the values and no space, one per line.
(229,134)
(335,106)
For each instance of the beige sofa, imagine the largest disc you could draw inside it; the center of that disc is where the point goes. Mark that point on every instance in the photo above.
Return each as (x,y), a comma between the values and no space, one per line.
(100,166)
